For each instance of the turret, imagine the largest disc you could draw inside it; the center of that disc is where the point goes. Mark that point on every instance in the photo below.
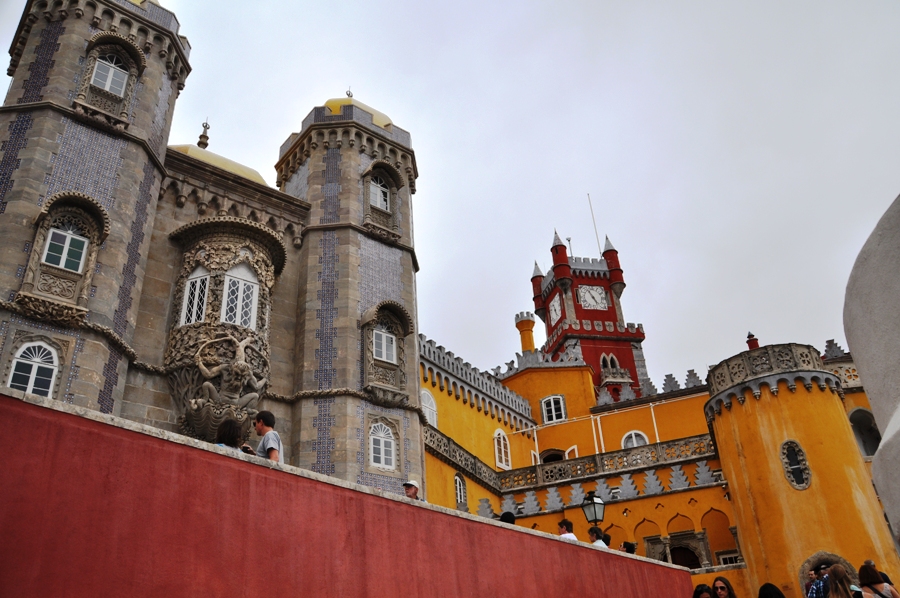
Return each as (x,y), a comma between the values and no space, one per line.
(562,271)
(537,278)
(525,324)
(615,270)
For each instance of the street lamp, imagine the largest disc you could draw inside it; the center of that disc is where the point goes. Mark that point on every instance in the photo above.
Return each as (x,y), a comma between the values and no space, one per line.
(593,508)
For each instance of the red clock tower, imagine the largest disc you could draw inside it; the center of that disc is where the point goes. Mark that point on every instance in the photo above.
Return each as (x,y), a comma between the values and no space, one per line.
(579,300)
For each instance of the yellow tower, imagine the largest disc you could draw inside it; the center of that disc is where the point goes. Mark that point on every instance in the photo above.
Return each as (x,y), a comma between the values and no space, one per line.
(801,493)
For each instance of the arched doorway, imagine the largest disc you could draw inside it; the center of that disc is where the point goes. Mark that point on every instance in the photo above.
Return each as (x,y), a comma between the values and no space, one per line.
(684,556)
(866,432)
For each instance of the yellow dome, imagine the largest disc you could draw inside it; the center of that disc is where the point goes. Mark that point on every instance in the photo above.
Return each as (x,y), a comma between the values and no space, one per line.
(221,162)
(378,118)
(139,2)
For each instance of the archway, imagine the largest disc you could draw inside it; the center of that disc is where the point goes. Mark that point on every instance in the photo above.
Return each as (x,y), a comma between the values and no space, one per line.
(685,557)
(679,523)
(866,432)
(718,533)
(645,529)
(825,558)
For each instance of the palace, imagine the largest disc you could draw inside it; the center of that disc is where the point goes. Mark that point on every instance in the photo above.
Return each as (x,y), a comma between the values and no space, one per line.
(170,286)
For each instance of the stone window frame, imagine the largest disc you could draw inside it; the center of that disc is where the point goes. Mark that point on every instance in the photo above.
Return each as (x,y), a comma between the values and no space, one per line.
(502,454)
(21,339)
(802,466)
(113,65)
(462,494)
(388,342)
(396,441)
(69,235)
(391,317)
(429,406)
(554,401)
(59,284)
(199,278)
(374,216)
(246,278)
(35,365)
(100,103)
(634,435)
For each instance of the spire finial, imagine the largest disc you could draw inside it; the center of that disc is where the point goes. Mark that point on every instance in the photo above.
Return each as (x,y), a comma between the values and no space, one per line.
(204,137)
(349,93)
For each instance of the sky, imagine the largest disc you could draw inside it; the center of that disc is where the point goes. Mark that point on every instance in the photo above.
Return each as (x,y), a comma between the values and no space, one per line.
(738,154)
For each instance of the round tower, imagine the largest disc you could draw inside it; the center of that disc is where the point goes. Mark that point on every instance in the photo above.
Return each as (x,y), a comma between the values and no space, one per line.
(794,472)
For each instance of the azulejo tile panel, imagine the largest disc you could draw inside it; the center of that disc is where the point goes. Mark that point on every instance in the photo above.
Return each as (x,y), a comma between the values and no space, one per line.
(88,161)
(324,443)
(18,140)
(39,70)
(327,313)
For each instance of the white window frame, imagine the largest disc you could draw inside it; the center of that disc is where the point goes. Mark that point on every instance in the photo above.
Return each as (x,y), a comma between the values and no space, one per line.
(429,406)
(634,435)
(553,400)
(535,458)
(247,285)
(34,350)
(462,495)
(106,81)
(501,450)
(382,438)
(199,279)
(384,346)
(379,193)
(572,452)
(67,246)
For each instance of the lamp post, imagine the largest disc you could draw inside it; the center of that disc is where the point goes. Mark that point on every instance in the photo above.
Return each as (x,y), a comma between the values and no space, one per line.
(593,508)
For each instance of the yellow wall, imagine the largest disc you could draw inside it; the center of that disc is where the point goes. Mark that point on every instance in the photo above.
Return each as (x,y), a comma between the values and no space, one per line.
(573,383)
(838,512)
(441,490)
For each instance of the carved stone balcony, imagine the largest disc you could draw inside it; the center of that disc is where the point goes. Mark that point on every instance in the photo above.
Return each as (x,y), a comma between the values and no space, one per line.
(615,376)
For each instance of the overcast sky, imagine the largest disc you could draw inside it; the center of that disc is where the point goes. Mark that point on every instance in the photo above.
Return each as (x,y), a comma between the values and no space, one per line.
(738,153)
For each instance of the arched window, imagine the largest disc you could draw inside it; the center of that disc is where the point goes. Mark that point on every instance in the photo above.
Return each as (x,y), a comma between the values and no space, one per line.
(34,369)
(241,295)
(633,439)
(867,435)
(379,193)
(796,469)
(381,446)
(554,409)
(384,345)
(501,450)
(66,247)
(604,362)
(110,74)
(429,407)
(462,499)
(552,455)
(195,291)
(613,363)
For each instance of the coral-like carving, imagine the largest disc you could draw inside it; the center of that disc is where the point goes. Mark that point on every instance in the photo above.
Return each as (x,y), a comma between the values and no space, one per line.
(236,376)
(56,286)
(203,422)
(50,311)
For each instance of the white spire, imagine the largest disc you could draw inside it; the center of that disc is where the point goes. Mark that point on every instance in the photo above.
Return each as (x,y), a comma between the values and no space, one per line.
(537,270)
(608,246)
(556,239)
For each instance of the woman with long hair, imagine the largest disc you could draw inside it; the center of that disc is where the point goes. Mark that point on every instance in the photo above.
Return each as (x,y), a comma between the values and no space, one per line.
(722,588)
(839,582)
(703,591)
(873,586)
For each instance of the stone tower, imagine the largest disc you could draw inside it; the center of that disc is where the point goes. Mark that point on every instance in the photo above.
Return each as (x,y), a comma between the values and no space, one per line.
(84,129)
(358,415)
(785,444)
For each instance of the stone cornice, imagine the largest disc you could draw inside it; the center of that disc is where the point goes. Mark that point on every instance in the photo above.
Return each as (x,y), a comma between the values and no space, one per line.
(821,379)
(368,233)
(69,112)
(239,226)
(763,361)
(345,392)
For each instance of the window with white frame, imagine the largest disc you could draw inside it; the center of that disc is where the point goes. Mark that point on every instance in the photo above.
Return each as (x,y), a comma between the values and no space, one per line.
(384,346)
(462,498)
(572,452)
(110,74)
(429,407)
(34,369)
(554,409)
(381,446)
(633,439)
(66,247)
(240,296)
(501,450)
(193,307)
(379,193)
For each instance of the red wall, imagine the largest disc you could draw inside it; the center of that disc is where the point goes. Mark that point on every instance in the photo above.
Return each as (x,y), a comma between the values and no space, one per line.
(88,509)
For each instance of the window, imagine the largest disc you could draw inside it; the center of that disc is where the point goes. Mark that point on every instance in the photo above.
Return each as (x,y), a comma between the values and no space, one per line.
(34,369)
(633,439)
(241,292)
(66,248)
(379,193)
(462,499)
(384,345)
(110,74)
(572,453)
(429,407)
(553,409)
(866,432)
(193,309)
(728,557)
(796,469)
(381,446)
(501,450)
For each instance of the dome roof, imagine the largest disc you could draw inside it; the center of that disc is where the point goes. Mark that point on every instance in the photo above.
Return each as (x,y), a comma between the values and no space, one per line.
(378,118)
(218,161)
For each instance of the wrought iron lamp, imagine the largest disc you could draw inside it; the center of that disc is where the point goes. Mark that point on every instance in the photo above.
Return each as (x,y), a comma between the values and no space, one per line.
(593,508)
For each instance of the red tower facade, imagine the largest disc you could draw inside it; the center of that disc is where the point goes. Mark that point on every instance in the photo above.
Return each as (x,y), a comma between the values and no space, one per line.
(579,301)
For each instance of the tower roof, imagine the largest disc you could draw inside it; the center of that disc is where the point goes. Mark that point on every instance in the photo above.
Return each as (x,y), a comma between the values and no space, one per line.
(537,270)
(608,246)
(378,118)
(556,239)
(220,162)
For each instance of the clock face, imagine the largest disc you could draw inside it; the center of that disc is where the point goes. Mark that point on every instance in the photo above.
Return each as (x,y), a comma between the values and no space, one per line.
(592,297)
(555,310)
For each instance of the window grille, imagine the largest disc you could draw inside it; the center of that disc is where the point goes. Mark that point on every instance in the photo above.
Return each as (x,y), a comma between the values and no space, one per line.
(195,294)
(241,296)
(110,74)
(34,370)
(796,469)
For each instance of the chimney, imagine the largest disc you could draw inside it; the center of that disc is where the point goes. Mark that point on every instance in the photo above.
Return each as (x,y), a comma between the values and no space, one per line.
(752,341)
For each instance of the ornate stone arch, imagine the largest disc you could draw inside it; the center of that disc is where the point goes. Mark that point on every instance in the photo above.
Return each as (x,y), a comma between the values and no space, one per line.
(99,106)
(825,558)
(383,223)
(22,338)
(388,318)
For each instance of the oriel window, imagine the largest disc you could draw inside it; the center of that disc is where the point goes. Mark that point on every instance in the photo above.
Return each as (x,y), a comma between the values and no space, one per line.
(110,74)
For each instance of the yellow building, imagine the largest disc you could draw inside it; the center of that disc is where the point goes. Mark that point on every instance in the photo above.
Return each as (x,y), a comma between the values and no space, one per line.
(757,475)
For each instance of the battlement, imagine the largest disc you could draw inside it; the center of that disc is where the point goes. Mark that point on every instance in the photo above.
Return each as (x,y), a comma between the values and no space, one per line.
(524,315)
(571,357)
(461,372)
(581,266)
(356,114)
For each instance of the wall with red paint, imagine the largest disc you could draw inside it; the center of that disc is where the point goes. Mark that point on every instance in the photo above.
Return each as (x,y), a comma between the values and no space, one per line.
(91,509)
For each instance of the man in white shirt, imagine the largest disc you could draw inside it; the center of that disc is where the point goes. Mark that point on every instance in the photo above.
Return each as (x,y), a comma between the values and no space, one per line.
(596,537)
(565,530)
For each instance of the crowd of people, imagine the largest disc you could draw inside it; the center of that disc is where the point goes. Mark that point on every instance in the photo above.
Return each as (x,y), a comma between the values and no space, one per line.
(825,581)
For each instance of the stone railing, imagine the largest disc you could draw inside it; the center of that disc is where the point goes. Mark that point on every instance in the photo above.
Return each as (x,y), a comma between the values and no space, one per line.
(613,463)
(448,451)
(764,361)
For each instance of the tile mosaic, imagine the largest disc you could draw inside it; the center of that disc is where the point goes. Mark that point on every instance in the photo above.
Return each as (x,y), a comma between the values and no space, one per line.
(327,313)
(324,443)
(17,141)
(88,161)
(39,70)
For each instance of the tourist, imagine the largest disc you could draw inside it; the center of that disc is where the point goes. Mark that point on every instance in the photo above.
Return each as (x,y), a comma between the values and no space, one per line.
(883,575)
(270,446)
(722,588)
(411,489)
(229,435)
(839,582)
(596,537)
(811,578)
(819,588)
(629,547)
(565,530)
(873,585)
(768,590)
(508,517)
(703,591)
